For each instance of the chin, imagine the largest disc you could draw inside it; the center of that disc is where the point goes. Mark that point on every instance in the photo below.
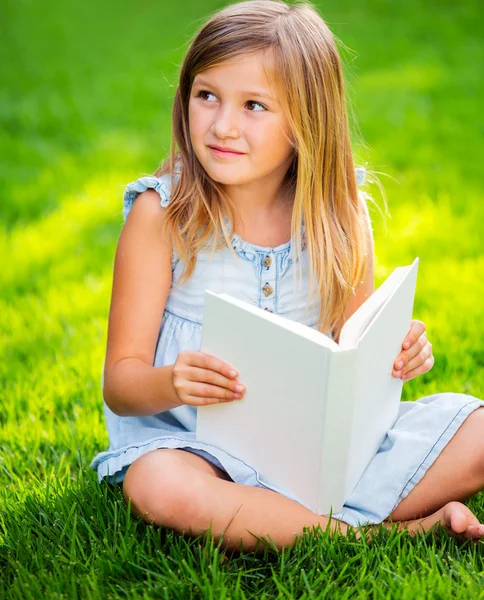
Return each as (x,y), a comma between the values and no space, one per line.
(223,174)
(225,180)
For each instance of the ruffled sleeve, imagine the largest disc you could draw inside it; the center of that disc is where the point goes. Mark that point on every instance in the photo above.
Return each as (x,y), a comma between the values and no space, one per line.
(161,185)
(360,173)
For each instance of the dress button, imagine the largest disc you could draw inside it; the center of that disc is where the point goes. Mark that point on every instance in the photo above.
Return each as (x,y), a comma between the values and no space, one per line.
(267,289)
(267,261)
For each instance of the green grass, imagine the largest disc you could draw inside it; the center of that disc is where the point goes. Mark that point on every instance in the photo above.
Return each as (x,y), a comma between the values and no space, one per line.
(84,109)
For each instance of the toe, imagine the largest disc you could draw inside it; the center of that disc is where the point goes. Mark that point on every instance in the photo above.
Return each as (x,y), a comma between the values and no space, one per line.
(475,532)
(471,517)
(458,521)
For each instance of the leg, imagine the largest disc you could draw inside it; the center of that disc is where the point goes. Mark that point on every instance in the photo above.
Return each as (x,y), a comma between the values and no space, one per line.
(455,518)
(182,491)
(456,474)
(204,465)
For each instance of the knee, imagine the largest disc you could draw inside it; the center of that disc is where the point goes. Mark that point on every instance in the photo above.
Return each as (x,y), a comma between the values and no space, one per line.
(477,419)
(471,446)
(159,490)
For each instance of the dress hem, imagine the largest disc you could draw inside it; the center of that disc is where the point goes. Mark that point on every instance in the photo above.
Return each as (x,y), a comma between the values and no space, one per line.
(113,467)
(349,514)
(127,456)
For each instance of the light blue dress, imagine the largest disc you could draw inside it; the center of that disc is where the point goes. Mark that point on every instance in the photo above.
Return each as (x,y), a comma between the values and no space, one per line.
(264,277)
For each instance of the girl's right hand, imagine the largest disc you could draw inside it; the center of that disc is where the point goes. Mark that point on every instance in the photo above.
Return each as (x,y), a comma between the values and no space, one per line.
(200,379)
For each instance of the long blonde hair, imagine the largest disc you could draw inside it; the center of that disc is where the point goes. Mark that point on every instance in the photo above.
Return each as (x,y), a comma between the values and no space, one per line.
(322,174)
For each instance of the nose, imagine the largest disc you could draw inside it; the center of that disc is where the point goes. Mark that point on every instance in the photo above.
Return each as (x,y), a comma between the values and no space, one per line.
(225,123)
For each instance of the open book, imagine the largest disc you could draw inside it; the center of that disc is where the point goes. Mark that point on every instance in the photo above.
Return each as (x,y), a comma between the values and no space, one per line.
(314,412)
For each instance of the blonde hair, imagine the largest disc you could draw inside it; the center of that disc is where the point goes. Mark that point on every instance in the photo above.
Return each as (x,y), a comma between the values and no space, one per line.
(321,176)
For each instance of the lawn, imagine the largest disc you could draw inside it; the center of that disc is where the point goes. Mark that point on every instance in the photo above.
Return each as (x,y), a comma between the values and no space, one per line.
(85,99)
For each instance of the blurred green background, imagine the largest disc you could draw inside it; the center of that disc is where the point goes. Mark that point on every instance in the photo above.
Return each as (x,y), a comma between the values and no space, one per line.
(85,107)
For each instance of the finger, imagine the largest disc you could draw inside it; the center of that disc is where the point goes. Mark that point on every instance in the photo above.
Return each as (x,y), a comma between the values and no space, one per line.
(207,361)
(415,331)
(404,357)
(201,394)
(423,368)
(417,360)
(217,380)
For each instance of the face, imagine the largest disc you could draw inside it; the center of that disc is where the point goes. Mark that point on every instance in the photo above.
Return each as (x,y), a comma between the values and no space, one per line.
(232,106)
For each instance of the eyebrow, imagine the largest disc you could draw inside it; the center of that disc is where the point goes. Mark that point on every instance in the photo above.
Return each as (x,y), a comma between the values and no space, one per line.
(201,81)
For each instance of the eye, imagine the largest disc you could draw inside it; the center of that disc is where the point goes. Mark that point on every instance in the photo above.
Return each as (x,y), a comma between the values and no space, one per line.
(203,92)
(248,101)
(258,103)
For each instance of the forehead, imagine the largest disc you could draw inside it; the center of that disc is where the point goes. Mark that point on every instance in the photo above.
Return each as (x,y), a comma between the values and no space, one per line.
(244,74)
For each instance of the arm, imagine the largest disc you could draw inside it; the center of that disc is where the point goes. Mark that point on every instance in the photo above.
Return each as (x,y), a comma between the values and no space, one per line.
(367,285)
(141,284)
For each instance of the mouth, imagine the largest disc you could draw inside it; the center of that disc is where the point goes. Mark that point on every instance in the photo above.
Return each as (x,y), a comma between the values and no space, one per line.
(224,153)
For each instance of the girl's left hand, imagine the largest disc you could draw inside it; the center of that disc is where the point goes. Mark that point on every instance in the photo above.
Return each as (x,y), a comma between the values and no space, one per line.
(416,357)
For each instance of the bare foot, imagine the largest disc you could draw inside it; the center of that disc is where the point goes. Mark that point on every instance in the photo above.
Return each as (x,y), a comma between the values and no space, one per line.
(455,518)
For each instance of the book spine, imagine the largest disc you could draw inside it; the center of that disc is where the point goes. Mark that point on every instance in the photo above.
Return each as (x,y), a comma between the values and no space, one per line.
(336,431)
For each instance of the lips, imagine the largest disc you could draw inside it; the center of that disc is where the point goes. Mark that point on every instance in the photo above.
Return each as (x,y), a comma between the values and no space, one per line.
(225,150)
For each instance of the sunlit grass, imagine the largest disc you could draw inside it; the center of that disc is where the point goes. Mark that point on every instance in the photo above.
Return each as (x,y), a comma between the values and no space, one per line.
(84,109)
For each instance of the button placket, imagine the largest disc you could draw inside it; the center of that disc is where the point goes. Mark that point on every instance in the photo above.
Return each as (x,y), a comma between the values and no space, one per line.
(268,281)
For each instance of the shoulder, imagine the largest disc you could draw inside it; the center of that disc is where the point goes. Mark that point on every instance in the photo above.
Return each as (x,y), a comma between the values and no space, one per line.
(152,194)
(161,186)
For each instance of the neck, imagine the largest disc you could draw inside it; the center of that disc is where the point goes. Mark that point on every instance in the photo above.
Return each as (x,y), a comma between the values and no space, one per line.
(258,202)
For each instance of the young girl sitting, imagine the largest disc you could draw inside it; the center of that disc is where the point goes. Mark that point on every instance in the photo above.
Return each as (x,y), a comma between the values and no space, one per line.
(262,192)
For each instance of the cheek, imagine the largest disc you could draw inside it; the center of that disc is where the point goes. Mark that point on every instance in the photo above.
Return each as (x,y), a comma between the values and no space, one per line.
(274,142)
(197,125)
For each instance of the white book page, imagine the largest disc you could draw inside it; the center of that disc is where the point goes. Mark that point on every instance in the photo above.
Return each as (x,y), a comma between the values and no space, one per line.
(277,427)
(376,392)
(294,326)
(355,327)
(336,435)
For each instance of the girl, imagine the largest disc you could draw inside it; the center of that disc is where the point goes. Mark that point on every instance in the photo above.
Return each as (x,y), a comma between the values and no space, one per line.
(262,189)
